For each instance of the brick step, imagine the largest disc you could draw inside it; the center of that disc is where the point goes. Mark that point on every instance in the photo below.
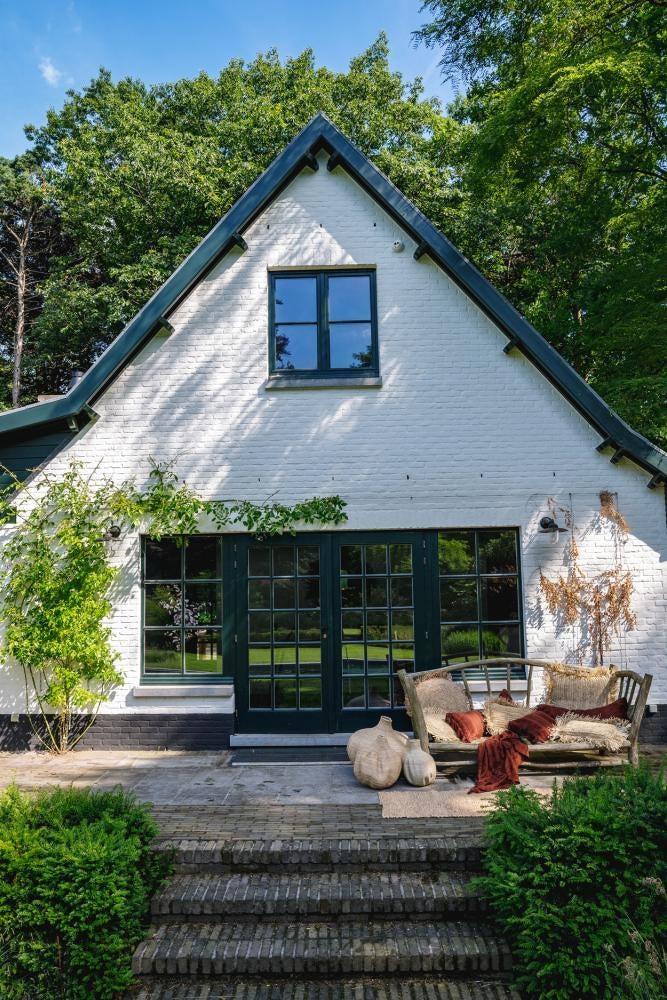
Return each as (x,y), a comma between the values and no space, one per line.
(324,854)
(328,895)
(362,988)
(269,948)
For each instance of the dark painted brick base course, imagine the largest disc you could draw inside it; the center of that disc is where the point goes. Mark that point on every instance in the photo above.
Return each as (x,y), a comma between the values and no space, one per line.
(654,726)
(178,731)
(183,731)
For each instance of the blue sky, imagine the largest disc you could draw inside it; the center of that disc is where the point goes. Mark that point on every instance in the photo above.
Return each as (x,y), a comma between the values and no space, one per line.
(48,46)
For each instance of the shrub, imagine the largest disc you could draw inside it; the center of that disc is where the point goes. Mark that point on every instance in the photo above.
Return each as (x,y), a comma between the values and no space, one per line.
(76,876)
(577,882)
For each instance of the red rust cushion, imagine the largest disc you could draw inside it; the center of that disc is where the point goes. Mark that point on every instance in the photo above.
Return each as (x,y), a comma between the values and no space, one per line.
(615,710)
(535,727)
(468,726)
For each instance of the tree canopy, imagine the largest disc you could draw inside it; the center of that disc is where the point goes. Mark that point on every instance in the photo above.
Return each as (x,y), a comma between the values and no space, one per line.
(561,161)
(548,172)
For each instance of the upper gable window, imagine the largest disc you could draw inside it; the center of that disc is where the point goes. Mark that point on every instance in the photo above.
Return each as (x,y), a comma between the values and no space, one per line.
(323,322)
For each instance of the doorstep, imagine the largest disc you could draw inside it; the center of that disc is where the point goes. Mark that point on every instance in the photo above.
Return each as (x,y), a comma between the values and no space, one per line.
(238,740)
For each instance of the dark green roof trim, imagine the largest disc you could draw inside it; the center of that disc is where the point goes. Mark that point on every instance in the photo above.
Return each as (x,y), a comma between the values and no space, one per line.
(320,134)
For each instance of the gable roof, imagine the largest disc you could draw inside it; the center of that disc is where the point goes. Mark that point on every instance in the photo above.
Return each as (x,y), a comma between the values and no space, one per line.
(321,134)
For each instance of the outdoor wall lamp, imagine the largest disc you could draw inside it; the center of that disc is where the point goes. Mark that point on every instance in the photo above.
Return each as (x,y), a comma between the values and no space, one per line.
(548,526)
(112,534)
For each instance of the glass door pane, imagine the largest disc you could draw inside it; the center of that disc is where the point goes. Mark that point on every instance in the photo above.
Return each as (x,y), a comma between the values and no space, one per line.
(380,593)
(283,681)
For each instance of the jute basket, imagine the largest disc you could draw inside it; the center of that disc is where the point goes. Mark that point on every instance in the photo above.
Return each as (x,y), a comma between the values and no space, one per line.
(364,739)
(380,766)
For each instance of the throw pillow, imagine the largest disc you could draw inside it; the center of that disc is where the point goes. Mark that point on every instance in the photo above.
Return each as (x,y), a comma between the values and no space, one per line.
(615,710)
(534,727)
(610,735)
(498,713)
(579,687)
(438,728)
(442,695)
(468,726)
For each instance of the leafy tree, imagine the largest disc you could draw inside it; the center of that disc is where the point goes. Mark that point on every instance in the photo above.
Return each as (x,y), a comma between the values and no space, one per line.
(29,235)
(560,151)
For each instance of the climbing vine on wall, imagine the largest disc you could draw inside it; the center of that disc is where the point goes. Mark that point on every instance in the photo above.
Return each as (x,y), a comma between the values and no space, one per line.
(601,603)
(57,572)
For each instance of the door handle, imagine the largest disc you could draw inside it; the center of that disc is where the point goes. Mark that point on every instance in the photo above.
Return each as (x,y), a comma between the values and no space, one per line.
(325,634)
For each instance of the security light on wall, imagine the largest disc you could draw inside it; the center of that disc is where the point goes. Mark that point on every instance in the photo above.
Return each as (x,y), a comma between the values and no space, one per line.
(549,526)
(112,534)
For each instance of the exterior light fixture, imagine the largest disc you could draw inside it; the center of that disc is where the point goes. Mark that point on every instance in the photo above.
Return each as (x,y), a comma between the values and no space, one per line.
(112,534)
(549,526)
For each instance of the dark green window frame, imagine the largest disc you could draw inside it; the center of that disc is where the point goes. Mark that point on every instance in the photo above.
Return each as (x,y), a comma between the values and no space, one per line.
(324,368)
(185,629)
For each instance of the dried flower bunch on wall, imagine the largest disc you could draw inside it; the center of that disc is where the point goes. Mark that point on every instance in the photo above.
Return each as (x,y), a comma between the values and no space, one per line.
(600,604)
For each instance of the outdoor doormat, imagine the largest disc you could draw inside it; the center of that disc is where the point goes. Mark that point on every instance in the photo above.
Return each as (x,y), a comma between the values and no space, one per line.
(250,756)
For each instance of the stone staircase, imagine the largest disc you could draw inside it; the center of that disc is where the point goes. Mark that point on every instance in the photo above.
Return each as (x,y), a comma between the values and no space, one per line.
(323,919)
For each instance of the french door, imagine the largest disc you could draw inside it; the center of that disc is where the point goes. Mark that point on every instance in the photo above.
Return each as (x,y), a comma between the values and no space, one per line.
(324,621)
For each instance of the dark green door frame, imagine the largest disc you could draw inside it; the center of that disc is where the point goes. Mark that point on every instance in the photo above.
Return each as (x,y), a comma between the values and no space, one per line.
(332,716)
(282,720)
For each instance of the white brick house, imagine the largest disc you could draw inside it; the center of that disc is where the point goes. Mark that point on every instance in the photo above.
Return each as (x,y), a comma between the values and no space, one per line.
(402,397)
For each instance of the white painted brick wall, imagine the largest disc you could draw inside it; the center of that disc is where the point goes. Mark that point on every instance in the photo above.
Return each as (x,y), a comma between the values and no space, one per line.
(459,435)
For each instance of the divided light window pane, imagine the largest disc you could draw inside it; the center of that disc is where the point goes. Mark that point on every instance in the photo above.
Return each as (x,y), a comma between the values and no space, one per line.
(296,348)
(349,298)
(296,300)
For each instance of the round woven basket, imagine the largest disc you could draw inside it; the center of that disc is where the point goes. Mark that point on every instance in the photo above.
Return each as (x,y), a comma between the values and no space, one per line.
(364,739)
(380,766)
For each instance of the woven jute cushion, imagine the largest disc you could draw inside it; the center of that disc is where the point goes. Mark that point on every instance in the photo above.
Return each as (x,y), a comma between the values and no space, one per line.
(498,714)
(611,735)
(438,728)
(579,687)
(442,695)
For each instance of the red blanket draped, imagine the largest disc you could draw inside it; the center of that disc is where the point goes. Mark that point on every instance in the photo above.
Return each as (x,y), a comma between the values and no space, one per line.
(498,760)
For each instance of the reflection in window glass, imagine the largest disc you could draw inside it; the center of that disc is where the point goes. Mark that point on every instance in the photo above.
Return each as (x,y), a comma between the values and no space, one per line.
(295,300)
(203,558)
(480,610)
(284,640)
(351,345)
(183,619)
(377,622)
(497,552)
(296,348)
(349,297)
(162,560)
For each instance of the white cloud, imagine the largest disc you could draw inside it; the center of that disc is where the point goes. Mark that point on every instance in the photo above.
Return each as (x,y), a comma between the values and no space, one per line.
(49,72)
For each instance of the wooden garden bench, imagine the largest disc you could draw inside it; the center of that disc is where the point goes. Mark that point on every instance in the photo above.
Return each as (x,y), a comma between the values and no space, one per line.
(478,674)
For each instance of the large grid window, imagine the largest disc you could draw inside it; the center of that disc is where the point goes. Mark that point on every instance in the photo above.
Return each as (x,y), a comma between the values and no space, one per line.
(183,606)
(480,599)
(377,622)
(323,322)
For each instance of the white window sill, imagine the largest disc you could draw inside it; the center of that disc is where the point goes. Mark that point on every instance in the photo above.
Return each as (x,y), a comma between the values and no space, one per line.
(184,691)
(349,382)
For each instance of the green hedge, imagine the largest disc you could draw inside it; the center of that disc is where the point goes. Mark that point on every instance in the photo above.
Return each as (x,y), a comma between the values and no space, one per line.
(577,884)
(76,876)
